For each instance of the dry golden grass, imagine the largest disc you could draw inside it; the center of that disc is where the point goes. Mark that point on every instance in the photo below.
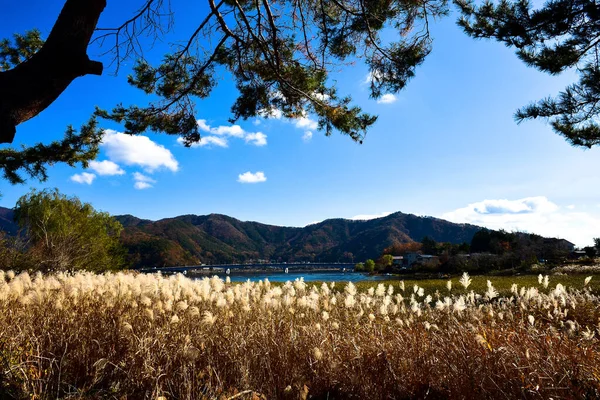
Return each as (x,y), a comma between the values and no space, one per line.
(140,336)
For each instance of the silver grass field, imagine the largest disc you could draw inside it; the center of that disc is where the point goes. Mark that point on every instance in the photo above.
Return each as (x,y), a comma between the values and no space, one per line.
(142,336)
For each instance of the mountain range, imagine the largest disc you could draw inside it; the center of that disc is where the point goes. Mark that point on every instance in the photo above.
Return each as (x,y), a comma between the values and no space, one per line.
(216,238)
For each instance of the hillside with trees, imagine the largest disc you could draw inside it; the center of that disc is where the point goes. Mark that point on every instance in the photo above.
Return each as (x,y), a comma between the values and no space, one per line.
(214,238)
(220,239)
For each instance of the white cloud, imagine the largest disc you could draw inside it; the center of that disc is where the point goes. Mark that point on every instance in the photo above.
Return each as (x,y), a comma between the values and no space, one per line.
(106,167)
(306,123)
(307,136)
(528,205)
(532,214)
(275,113)
(203,126)
(364,217)
(208,141)
(571,206)
(321,96)
(377,75)
(272,113)
(137,150)
(138,176)
(257,139)
(212,140)
(387,98)
(249,177)
(84,178)
(142,185)
(221,133)
(142,181)
(231,130)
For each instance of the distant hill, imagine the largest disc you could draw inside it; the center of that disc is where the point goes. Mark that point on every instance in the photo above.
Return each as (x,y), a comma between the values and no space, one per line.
(215,238)
(6,221)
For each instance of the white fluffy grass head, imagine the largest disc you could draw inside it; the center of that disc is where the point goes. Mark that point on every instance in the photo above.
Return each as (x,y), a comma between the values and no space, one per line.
(465,280)
(179,302)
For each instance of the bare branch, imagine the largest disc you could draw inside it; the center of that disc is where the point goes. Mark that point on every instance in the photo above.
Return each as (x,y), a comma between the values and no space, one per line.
(148,21)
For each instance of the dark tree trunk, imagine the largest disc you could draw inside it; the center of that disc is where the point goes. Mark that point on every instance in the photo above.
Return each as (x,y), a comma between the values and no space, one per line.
(33,85)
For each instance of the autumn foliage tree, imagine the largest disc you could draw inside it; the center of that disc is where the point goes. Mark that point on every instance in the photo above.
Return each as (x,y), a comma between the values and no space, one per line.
(400,249)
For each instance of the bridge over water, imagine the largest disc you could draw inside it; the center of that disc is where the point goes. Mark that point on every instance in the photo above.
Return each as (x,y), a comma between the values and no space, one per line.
(262,267)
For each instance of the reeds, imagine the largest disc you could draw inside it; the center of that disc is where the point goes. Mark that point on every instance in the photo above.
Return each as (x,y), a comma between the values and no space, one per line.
(150,336)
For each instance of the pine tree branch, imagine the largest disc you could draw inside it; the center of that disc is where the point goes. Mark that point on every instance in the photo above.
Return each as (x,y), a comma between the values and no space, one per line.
(30,87)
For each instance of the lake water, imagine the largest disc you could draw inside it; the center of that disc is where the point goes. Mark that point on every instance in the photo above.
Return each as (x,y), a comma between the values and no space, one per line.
(309,276)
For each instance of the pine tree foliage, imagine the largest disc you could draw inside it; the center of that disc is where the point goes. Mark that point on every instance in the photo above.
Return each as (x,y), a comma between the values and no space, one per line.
(24,46)
(75,148)
(280,54)
(560,35)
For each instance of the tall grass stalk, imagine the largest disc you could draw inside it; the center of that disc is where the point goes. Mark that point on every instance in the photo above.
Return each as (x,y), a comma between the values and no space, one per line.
(136,336)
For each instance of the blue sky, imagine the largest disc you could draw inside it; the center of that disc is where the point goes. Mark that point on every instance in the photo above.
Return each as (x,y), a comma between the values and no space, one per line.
(447,146)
